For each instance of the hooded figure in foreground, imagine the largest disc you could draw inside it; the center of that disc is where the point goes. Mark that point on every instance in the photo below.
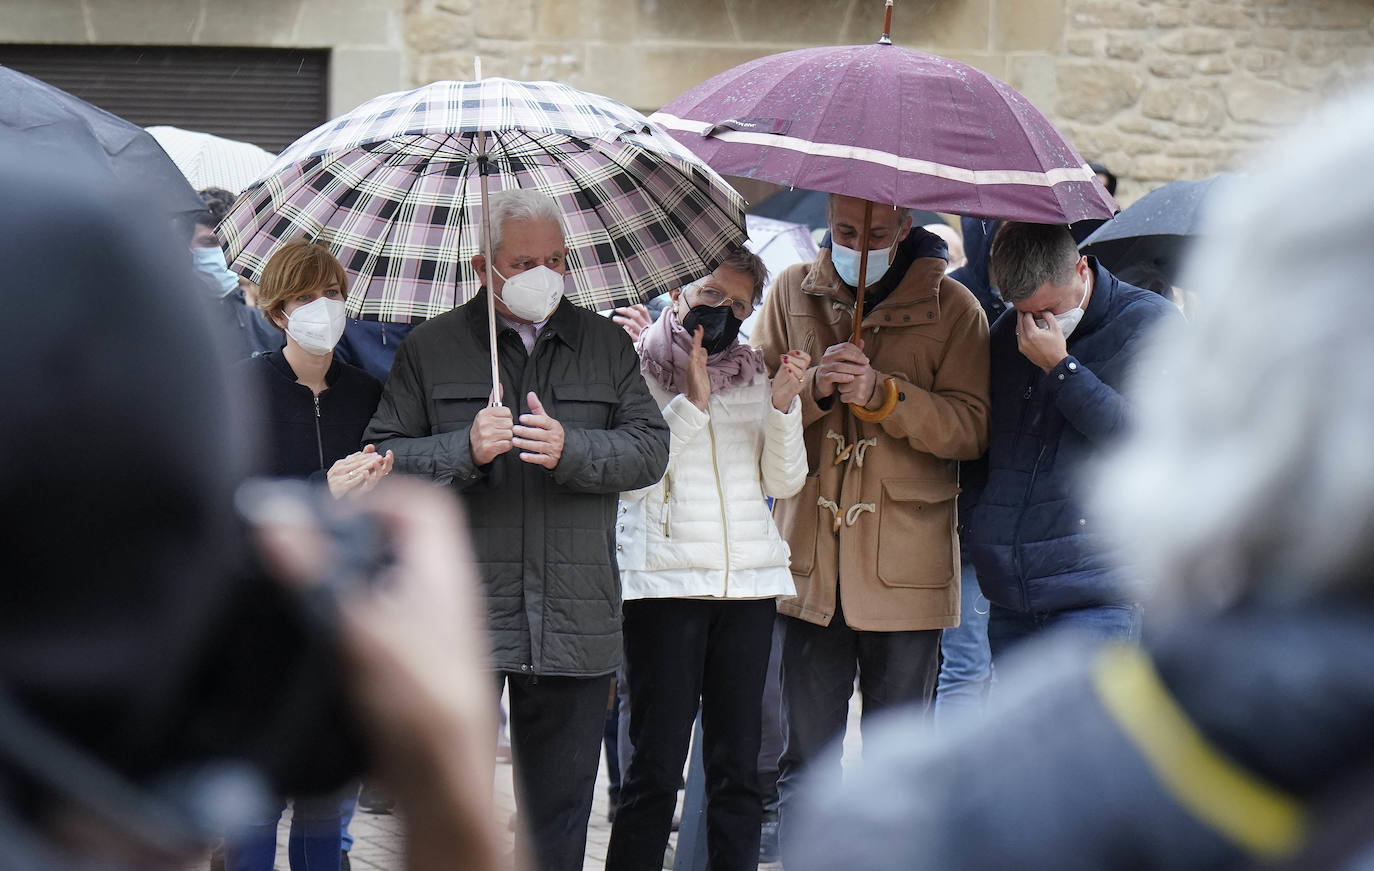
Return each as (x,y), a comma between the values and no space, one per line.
(140,646)
(1242,734)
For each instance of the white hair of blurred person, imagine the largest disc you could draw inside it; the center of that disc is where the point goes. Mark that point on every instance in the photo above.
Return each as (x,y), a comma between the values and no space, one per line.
(1250,473)
(954,239)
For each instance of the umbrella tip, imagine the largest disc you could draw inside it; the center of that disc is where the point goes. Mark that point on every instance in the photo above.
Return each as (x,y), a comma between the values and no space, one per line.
(886,38)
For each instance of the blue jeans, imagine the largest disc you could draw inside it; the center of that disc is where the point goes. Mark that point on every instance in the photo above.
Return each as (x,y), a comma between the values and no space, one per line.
(966,672)
(1008,628)
(313,845)
(347,808)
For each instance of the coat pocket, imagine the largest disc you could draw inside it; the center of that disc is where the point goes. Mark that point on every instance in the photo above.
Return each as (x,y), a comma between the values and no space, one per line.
(801,512)
(585,405)
(916,536)
(457,403)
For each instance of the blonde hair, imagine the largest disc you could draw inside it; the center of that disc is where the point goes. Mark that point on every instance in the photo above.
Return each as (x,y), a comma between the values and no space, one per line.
(294,268)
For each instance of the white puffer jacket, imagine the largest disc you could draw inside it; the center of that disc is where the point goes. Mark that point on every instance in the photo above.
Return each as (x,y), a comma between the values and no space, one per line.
(704,530)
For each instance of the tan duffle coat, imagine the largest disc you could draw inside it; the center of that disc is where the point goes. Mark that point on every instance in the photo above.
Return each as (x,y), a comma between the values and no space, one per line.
(876,518)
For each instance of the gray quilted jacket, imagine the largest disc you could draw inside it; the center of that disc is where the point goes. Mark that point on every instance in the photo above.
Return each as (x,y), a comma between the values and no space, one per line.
(545,540)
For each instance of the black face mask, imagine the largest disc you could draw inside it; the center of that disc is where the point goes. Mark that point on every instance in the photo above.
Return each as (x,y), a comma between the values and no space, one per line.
(719,326)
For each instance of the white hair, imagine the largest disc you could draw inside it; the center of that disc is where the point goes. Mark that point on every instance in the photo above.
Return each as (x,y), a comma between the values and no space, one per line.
(1250,475)
(520,204)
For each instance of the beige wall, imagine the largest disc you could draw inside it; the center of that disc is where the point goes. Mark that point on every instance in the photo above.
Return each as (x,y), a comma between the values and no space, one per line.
(1156,89)
(367,56)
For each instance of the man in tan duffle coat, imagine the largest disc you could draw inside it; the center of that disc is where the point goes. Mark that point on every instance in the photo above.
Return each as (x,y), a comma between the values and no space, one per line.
(875,553)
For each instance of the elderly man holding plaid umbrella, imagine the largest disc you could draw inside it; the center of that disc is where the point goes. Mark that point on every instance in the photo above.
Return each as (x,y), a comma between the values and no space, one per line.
(540,479)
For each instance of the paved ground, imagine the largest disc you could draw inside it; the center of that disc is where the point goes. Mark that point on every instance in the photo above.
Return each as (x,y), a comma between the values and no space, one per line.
(377,838)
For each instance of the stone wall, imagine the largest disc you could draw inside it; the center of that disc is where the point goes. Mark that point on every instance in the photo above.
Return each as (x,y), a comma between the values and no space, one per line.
(1183,88)
(1155,89)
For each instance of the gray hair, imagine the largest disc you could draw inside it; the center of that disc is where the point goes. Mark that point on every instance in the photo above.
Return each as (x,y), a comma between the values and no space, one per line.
(746,262)
(1251,473)
(1025,256)
(520,204)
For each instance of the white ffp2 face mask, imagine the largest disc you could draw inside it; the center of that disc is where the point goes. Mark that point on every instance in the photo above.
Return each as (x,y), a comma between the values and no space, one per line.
(1068,321)
(532,295)
(317,325)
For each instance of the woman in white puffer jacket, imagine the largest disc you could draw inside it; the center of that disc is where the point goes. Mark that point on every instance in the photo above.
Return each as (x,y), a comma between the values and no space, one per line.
(701,564)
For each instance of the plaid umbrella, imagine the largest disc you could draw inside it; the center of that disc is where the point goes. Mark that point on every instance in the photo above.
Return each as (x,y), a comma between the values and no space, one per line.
(393,189)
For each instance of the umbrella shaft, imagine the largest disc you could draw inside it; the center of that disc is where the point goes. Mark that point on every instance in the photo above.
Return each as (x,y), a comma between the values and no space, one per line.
(863,272)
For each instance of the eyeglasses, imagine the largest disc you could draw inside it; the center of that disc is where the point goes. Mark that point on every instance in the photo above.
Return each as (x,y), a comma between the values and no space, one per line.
(710,296)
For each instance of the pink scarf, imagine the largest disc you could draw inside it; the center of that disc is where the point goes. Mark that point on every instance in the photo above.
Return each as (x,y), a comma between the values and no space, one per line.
(665,348)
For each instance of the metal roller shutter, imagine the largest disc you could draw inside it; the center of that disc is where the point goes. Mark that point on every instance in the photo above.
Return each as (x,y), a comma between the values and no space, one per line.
(269,97)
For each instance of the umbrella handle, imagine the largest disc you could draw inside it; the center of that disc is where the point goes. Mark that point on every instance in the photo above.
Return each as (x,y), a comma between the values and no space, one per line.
(888,406)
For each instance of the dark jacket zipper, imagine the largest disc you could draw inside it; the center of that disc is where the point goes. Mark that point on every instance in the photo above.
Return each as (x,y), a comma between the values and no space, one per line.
(319,439)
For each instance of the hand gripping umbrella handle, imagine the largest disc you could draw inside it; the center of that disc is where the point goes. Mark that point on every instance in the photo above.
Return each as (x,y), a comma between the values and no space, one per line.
(889,404)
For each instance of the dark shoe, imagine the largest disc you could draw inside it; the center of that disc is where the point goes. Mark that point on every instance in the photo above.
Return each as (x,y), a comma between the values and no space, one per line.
(768,842)
(343,861)
(374,801)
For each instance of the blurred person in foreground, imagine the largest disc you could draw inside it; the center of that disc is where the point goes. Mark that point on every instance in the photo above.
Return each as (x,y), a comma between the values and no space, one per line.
(229,298)
(540,476)
(1060,363)
(702,565)
(1241,735)
(312,411)
(154,682)
(874,554)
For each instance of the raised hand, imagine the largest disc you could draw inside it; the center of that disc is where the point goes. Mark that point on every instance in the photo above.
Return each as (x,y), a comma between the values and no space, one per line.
(633,318)
(538,436)
(787,383)
(698,379)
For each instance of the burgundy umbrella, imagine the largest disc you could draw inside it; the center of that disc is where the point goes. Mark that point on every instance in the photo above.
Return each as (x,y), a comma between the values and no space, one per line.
(888,125)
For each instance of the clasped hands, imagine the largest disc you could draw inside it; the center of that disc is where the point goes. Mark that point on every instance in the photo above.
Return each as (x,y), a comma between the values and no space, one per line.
(538,437)
(845,369)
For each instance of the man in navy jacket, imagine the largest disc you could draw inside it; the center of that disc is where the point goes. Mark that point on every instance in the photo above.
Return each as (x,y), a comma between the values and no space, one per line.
(1059,363)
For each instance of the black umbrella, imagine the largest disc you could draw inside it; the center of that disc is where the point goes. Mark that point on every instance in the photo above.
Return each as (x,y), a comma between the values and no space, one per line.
(38,119)
(1149,238)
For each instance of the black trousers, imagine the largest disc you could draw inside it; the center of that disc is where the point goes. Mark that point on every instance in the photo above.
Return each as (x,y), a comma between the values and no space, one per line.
(555,741)
(819,664)
(681,653)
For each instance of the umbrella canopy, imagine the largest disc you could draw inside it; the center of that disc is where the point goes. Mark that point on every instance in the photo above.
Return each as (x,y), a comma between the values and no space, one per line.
(37,118)
(1154,232)
(392,188)
(890,125)
(213,161)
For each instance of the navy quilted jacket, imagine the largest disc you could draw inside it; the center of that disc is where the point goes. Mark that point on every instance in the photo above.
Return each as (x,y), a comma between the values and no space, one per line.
(1034,546)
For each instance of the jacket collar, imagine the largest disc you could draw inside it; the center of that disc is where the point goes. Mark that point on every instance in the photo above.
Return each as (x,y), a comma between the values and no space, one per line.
(916,299)
(1100,303)
(564,324)
(280,363)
